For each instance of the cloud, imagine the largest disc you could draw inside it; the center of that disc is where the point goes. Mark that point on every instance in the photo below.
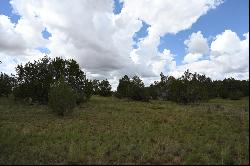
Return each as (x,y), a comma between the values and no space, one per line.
(197,44)
(15,46)
(102,42)
(11,42)
(164,17)
(192,57)
(10,62)
(231,52)
(229,57)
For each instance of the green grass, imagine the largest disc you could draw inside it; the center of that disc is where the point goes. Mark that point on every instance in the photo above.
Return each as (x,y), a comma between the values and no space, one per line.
(114,131)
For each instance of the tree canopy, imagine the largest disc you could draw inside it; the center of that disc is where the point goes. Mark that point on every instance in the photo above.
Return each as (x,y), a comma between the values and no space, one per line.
(34,79)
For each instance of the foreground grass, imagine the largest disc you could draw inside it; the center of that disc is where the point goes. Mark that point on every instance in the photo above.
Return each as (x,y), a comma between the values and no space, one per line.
(114,131)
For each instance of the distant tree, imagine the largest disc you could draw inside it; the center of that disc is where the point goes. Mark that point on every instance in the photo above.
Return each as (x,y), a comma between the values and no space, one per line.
(133,89)
(152,91)
(6,84)
(191,88)
(165,86)
(231,88)
(34,79)
(186,89)
(123,88)
(137,90)
(105,88)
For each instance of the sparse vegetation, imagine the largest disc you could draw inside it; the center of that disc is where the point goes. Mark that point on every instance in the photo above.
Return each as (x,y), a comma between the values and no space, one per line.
(107,130)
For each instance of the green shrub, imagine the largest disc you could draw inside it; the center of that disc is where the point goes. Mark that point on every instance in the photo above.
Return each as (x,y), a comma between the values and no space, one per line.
(152,92)
(235,95)
(62,98)
(6,84)
(224,93)
(80,98)
(139,94)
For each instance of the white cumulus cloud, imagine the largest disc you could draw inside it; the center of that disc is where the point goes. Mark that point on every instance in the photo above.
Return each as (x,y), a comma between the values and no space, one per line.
(197,46)
(197,43)
(89,31)
(229,57)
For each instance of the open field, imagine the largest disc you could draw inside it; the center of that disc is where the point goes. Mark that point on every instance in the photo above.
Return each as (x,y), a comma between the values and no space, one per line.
(113,131)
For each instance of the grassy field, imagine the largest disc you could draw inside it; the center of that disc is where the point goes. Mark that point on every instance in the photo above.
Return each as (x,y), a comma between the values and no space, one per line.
(114,131)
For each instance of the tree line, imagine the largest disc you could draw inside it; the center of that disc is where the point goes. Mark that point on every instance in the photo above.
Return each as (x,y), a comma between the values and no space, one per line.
(189,88)
(48,80)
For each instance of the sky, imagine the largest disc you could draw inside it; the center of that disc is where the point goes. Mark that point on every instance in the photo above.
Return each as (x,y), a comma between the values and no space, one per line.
(111,38)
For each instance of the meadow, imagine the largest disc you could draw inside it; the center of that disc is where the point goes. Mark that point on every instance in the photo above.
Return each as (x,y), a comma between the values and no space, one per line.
(108,130)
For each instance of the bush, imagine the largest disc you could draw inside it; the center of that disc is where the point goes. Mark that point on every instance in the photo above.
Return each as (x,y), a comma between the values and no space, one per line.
(80,98)
(235,95)
(224,93)
(152,92)
(139,94)
(6,84)
(20,92)
(62,98)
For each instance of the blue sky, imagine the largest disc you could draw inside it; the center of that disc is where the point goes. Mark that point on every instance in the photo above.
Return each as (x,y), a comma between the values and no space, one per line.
(6,9)
(232,14)
(117,6)
(46,34)
(142,33)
